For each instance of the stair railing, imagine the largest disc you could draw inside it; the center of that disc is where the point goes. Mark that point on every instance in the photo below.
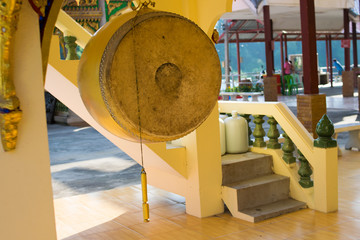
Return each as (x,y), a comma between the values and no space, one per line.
(312,168)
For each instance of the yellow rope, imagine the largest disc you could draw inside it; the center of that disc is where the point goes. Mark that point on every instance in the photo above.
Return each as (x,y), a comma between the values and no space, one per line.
(145,205)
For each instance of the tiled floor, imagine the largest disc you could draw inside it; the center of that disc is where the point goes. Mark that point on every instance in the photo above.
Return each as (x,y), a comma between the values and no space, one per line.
(117,214)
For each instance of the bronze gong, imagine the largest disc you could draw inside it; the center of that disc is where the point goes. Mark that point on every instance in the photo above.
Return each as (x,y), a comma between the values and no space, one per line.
(156,65)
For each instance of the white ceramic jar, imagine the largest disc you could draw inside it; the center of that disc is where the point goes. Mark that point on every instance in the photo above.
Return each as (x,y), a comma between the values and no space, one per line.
(223,116)
(236,133)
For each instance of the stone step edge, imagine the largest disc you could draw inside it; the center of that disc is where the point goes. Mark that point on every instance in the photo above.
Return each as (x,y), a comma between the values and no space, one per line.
(271,210)
(265,179)
(229,159)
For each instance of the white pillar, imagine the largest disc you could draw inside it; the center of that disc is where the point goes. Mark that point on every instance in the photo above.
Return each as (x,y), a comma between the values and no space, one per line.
(26,202)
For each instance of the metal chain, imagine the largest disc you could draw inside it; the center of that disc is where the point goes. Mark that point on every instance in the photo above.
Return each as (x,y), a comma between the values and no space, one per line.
(137,88)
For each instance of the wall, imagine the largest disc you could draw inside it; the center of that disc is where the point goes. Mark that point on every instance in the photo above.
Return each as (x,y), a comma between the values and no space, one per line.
(26,203)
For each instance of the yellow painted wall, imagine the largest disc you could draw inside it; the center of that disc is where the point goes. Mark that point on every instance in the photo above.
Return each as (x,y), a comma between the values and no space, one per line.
(203,196)
(26,203)
(204,13)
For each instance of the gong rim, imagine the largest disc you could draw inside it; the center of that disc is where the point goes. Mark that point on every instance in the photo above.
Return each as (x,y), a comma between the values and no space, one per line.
(90,75)
(164,69)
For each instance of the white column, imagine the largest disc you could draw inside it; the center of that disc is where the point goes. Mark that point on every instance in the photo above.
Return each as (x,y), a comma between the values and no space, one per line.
(26,202)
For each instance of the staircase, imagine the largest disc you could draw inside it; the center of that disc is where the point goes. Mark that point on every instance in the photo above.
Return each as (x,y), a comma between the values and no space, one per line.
(252,191)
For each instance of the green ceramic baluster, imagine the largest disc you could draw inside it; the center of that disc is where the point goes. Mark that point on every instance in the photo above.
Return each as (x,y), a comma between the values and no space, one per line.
(259,132)
(288,149)
(248,119)
(70,45)
(325,129)
(273,134)
(305,172)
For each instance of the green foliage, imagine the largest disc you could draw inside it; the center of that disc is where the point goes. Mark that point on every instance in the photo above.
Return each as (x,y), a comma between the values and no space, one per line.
(246,88)
(229,90)
(258,88)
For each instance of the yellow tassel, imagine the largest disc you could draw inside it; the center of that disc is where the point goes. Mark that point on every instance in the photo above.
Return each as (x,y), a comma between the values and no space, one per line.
(144,196)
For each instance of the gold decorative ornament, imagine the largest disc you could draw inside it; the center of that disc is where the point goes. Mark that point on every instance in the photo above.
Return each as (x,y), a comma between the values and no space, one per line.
(9,130)
(141,5)
(135,5)
(108,1)
(87,2)
(111,6)
(10,113)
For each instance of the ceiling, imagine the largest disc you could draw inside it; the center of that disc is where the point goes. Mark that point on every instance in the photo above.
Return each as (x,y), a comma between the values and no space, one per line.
(287,18)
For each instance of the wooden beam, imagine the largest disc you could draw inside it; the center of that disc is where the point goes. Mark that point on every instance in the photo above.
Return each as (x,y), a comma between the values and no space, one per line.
(346,36)
(328,61)
(282,53)
(268,41)
(247,31)
(222,36)
(254,37)
(236,31)
(238,56)
(354,40)
(272,47)
(335,36)
(330,54)
(308,32)
(286,51)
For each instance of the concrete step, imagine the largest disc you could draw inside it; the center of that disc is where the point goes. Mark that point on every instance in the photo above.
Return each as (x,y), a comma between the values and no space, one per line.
(261,190)
(240,167)
(274,209)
